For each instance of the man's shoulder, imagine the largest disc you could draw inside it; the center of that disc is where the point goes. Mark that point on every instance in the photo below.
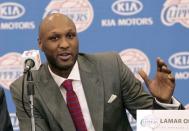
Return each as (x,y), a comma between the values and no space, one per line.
(105,60)
(1,89)
(1,94)
(35,73)
(99,56)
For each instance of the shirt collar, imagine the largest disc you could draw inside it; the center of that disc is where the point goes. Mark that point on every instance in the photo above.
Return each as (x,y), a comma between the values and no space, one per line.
(74,75)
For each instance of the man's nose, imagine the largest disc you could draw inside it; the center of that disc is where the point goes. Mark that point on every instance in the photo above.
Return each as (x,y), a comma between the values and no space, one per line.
(64,43)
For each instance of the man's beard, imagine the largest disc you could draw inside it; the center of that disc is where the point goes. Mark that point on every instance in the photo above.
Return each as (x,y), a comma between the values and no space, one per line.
(62,67)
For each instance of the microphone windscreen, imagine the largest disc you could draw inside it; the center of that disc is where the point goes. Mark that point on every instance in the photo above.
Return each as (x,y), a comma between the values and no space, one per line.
(33,55)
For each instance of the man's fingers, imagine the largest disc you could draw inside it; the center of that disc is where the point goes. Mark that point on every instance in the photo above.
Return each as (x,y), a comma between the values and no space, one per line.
(165,70)
(162,67)
(144,77)
(160,64)
(171,77)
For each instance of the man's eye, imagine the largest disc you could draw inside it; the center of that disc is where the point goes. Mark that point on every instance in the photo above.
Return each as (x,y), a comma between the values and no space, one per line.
(70,35)
(54,38)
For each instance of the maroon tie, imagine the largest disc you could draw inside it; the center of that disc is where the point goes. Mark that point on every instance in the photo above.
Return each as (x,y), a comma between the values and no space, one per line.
(74,107)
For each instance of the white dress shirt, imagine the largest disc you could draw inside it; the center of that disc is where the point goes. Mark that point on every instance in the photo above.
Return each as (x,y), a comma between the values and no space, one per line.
(78,88)
(174,105)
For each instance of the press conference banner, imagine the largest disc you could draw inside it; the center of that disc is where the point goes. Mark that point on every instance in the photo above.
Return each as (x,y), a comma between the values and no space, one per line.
(162,120)
(139,30)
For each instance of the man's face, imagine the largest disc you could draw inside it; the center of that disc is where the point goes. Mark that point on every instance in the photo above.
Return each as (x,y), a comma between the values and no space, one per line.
(58,40)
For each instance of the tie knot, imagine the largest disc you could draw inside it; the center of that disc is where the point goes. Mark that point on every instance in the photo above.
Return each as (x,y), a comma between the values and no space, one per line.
(67,84)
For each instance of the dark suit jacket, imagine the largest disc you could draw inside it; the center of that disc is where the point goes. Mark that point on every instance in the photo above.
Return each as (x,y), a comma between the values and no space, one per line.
(102,75)
(5,123)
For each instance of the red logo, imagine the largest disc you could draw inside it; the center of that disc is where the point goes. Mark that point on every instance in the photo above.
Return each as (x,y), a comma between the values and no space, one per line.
(136,60)
(80,11)
(11,67)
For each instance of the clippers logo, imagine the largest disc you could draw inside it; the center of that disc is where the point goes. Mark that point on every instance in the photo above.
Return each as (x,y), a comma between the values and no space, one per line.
(175,11)
(10,10)
(180,60)
(150,121)
(136,60)
(80,11)
(11,67)
(127,7)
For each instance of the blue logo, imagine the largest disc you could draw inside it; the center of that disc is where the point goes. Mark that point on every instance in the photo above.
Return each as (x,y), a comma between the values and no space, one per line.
(180,60)
(11,10)
(127,7)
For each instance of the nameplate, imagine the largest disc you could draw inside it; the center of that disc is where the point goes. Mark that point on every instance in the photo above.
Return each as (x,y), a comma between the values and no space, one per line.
(162,120)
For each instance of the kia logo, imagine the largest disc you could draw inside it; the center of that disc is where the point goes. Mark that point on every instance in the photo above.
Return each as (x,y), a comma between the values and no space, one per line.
(11,10)
(127,7)
(180,60)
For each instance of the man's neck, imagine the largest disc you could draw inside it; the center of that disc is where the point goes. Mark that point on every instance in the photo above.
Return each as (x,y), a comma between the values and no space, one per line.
(62,73)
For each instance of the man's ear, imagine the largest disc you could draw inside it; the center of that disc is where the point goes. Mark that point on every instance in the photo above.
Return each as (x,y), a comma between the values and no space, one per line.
(40,44)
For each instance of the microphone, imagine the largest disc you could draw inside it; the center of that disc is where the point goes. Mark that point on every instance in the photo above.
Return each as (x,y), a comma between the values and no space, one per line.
(29,63)
(31,60)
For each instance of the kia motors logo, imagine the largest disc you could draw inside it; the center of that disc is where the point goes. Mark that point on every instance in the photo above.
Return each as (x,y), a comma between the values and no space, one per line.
(11,10)
(127,7)
(180,60)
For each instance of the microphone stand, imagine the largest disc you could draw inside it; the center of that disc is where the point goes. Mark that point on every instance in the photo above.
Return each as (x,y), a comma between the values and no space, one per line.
(31,92)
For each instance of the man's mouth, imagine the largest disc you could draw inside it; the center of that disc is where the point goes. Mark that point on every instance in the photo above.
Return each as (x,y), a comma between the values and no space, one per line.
(64,56)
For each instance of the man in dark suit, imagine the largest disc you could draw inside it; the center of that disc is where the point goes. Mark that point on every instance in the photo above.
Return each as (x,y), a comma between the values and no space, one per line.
(5,123)
(103,84)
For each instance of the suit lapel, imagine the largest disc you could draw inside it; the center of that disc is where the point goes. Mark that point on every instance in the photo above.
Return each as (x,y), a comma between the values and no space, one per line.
(94,91)
(52,97)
